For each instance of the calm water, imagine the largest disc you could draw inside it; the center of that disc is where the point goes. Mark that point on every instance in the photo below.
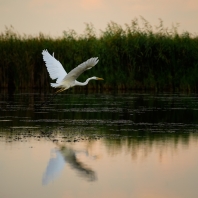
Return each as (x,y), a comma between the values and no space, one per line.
(99,145)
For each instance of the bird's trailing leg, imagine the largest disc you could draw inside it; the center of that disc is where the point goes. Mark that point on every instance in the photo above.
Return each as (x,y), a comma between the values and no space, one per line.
(60,90)
(48,101)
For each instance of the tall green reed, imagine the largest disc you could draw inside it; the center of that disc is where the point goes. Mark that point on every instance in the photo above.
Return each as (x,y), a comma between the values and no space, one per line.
(131,57)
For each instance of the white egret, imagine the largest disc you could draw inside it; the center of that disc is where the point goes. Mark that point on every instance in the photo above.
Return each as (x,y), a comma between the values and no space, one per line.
(63,80)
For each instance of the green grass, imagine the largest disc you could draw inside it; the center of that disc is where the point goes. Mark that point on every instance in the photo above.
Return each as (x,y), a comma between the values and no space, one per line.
(131,57)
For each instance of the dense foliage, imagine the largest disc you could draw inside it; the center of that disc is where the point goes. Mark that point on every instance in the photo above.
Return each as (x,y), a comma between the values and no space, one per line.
(132,57)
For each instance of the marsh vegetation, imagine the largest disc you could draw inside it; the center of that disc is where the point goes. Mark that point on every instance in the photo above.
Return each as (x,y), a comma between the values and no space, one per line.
(135,56)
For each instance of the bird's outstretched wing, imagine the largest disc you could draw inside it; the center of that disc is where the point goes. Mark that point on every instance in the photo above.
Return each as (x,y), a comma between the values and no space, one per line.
(54,67)
(76,72)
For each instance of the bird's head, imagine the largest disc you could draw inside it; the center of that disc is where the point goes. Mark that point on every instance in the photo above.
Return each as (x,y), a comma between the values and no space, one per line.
(96,78)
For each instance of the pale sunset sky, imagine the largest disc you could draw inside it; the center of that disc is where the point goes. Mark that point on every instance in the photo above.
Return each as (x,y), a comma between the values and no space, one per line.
(52,17)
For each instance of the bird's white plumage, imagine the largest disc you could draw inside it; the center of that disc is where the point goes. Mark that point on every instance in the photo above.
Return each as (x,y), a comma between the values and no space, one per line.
(76,72)
(65,81)
(54,67)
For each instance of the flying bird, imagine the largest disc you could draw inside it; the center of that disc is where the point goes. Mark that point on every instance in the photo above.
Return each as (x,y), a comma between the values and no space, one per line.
(63,80)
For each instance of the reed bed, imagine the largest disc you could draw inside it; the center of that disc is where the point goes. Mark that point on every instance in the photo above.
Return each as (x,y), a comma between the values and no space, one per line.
(135,57)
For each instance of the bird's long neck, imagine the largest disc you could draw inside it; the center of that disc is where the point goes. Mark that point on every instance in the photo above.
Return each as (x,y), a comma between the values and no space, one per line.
(84,83)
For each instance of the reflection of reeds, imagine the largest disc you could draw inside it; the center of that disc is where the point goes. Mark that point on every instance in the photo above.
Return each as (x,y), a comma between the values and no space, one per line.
(136,143)
(132,57)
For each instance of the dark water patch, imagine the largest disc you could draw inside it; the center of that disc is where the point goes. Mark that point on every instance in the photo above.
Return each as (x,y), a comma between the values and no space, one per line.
(127,112)
(83,133)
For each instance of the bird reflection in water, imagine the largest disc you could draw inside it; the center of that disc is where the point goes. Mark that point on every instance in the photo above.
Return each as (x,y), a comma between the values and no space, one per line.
(65,155)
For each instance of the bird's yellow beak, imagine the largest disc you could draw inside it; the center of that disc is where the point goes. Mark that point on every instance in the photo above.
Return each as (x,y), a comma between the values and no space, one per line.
(100,79)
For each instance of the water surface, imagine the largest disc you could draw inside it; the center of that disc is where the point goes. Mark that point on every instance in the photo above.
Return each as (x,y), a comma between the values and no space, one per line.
(99,145)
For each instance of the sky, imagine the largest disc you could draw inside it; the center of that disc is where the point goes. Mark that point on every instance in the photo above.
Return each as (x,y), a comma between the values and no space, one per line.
(52,17)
